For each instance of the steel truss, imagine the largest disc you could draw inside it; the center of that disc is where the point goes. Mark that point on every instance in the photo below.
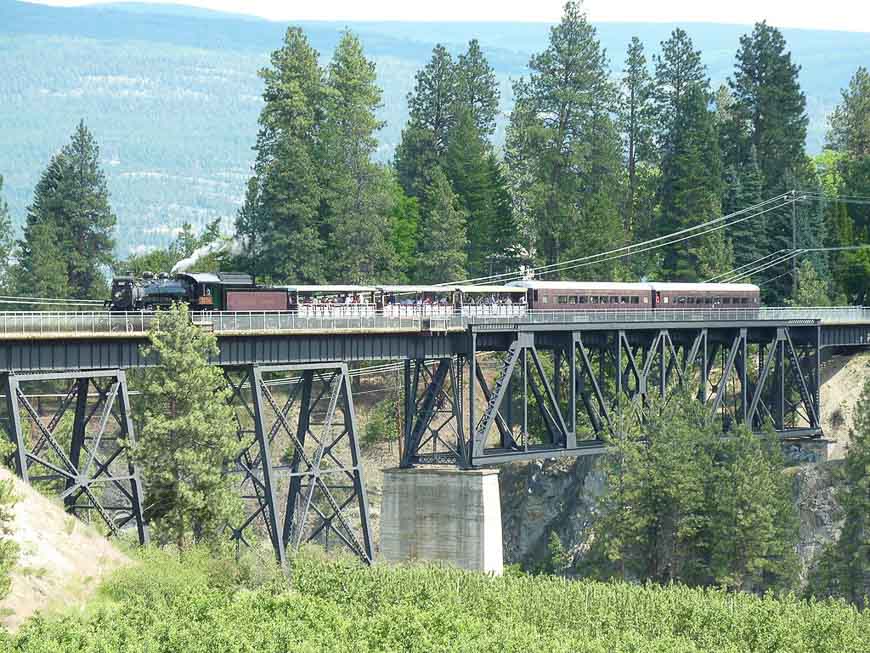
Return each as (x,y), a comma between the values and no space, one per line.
(574,386)
(300,468)
(84,460)
(433,425)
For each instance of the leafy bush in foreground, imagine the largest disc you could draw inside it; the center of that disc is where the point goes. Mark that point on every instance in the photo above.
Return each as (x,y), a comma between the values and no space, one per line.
(197,604)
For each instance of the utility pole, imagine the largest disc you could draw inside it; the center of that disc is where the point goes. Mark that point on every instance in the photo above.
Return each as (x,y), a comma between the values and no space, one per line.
(794,268)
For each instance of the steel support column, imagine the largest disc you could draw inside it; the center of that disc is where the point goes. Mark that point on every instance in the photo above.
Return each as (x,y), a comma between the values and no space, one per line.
(324,481)
(89,466)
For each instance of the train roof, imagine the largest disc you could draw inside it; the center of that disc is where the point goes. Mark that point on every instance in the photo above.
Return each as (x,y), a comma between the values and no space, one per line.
(327,289)
(709,287)
(535,284)
(415,289)
(489,289)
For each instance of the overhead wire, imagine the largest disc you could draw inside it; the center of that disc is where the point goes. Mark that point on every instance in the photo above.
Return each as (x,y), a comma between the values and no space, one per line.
(745,265)
(662,241)
(760,208)
(763,267)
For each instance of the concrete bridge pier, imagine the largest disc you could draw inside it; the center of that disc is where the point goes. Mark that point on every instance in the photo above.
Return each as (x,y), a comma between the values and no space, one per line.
(443,513)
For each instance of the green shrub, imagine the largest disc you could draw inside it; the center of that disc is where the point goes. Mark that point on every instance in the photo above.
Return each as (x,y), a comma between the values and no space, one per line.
(193,603)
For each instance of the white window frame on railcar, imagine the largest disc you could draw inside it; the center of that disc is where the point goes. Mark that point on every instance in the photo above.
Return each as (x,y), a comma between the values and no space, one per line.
(332,301)
(491,301)
(417,301)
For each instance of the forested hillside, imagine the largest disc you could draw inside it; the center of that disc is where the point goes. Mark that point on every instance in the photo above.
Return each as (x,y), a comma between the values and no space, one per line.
(173,96)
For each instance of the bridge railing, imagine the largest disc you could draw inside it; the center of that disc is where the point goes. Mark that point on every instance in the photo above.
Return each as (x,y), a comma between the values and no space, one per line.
(618,315)
(48,323)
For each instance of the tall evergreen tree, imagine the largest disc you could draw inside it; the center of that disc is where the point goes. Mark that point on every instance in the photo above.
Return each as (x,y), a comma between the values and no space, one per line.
(753,523)
(441,255)
(684,504)
(431,105)
(431,108)
(561,141)
(405,229)
(356,201)
(280,221)
(678,70)
(636,120)
(742,183)
(68,234)
(476,178)
(691,189)
(850,121)
(768,98)
(188,434)
(477,89)
(742,189)
(466,164)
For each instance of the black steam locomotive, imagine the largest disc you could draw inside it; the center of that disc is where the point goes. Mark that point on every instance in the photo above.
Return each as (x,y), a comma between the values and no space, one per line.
(201,291)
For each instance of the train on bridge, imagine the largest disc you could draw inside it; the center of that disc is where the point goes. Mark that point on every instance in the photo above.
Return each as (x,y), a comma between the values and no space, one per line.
(238,292)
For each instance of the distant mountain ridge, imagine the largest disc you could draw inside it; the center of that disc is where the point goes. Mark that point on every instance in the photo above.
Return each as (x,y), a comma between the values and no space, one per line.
(172,95)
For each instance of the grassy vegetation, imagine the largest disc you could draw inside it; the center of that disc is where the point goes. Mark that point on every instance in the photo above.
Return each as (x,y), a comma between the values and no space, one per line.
(199,603)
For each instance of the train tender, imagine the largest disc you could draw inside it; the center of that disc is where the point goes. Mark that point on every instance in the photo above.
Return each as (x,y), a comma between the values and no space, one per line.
(593,295)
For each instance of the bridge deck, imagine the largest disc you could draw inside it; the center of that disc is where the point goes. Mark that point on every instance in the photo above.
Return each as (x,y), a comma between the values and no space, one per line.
(74,341)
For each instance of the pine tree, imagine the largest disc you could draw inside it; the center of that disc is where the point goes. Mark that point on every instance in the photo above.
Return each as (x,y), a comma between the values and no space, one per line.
(441,255)
(684,504)
(652,519)
(405,228)
(811,288)
(188,434)
(356,201)
(280,221)
(769,100)
(69,225)
(753,520)
(559,131)
(6,244)
(678,70)
(477,89)
(466,167)
(504,254)
(636,120)
(742,189)
(691,189)
(850,121)
(431,108)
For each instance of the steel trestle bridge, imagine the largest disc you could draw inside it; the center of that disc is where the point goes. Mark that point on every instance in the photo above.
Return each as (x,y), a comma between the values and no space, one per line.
(478,389)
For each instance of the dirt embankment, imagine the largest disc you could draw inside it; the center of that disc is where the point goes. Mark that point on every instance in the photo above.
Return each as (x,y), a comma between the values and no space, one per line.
(843,379)
(61,560)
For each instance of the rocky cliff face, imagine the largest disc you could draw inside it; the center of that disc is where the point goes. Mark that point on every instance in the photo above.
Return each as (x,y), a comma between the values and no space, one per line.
(541,497)
(559,496)
(814,489)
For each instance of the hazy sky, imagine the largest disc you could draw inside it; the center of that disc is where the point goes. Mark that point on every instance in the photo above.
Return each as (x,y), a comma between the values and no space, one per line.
(852,15)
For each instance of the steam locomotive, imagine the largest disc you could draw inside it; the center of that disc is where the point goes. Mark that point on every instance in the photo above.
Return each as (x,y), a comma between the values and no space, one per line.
(234,291)
(201,291)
